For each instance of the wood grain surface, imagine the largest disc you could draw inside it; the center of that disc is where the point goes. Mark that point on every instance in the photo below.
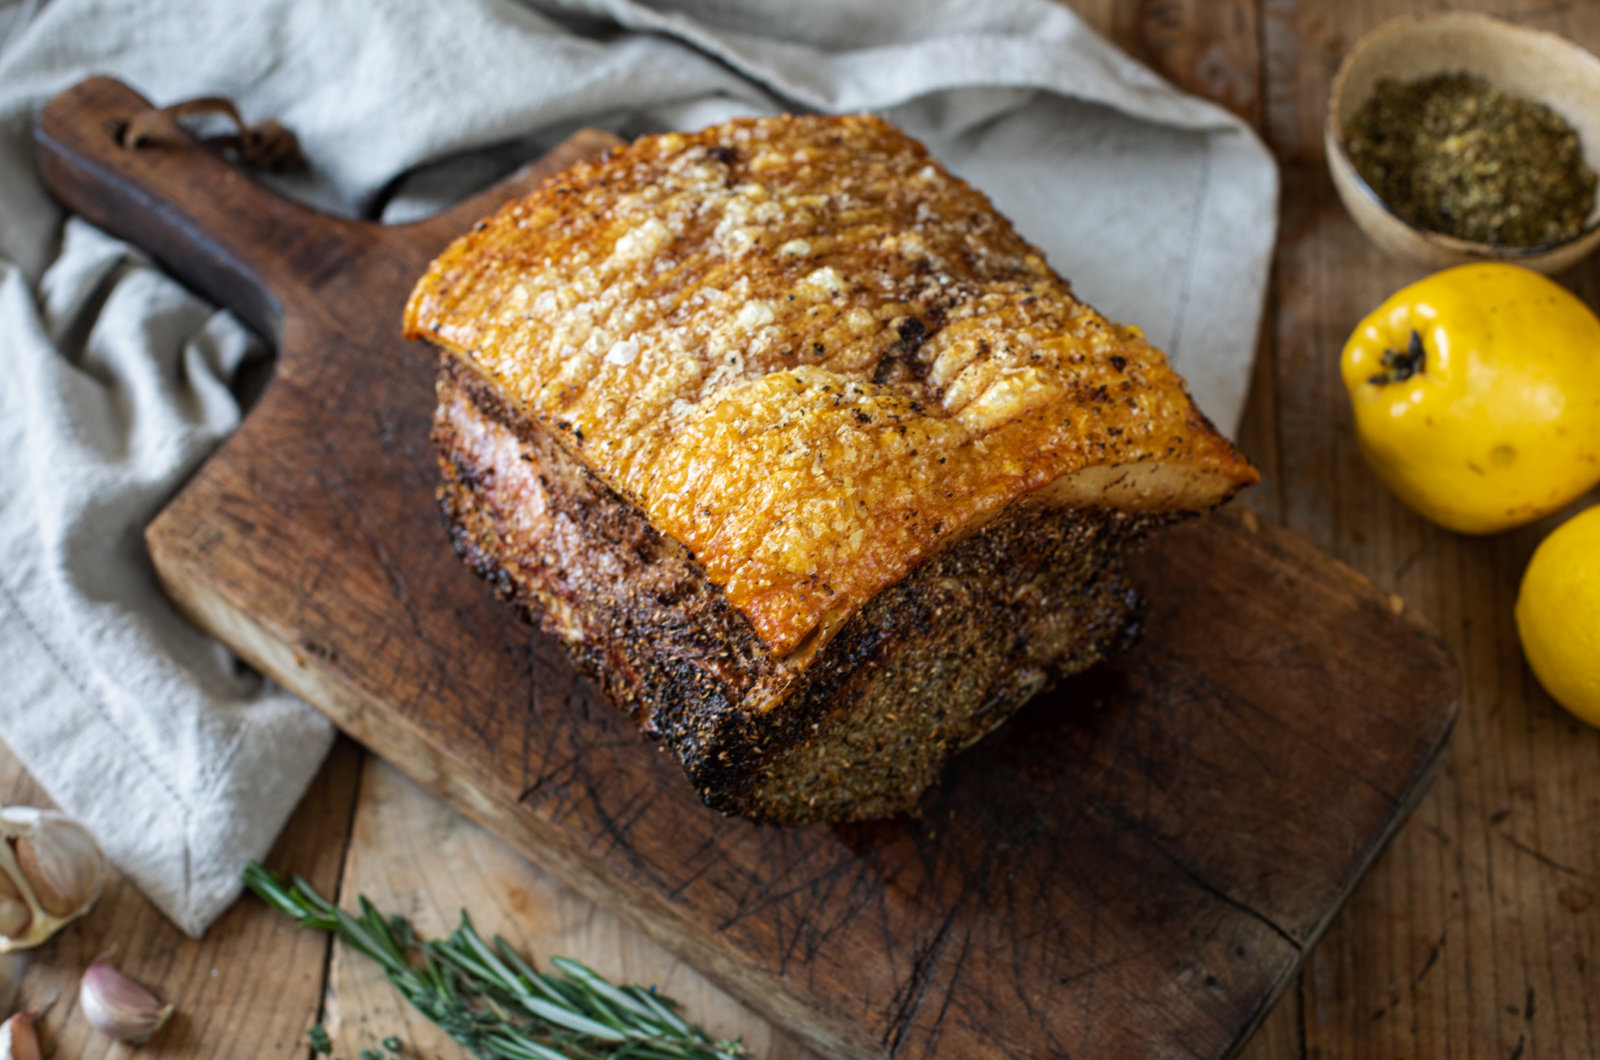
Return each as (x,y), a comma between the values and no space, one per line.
(1476,935)
(1135,863)
(1478,932)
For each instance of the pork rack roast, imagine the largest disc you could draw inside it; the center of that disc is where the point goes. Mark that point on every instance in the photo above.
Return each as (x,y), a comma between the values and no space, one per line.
(808,458)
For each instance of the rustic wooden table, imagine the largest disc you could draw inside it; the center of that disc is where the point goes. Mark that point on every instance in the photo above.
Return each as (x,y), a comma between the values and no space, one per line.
(1478,932)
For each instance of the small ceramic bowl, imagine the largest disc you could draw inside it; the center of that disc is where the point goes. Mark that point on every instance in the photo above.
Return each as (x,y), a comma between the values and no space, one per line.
(1525,62)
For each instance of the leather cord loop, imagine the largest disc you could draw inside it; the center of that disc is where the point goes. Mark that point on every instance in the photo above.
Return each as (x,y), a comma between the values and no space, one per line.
(266,145)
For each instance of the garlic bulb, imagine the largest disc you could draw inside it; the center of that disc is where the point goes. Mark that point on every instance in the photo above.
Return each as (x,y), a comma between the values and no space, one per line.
(51,872)
(118,1007)
(18,1039)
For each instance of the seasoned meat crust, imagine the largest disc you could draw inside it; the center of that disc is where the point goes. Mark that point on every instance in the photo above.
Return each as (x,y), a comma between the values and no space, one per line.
(813,357)
(856,730)
(802,451)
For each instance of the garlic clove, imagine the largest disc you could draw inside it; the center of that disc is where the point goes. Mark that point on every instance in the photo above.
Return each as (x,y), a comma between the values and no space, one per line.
(120,1008)
(14,912)
(18,1039)
(62,862)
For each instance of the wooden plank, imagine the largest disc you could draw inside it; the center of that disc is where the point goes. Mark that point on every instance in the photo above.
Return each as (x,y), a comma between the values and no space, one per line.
(1279,1036)
(1214,50)
(1134,863)
(254,978)
(1478,934)
(412,854)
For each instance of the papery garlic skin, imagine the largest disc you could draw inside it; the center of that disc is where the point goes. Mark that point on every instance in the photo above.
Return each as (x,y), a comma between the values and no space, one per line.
(120,1008)
(51,872)
(18,1039)
(15,913)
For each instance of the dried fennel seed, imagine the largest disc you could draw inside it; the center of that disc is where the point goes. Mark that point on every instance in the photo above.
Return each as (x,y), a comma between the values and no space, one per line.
(1451,154)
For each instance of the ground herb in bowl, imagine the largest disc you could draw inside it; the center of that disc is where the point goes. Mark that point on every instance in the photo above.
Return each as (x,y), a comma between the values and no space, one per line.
(1453,154)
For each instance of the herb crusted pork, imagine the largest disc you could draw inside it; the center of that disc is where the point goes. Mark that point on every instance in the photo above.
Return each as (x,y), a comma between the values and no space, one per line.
(803,452)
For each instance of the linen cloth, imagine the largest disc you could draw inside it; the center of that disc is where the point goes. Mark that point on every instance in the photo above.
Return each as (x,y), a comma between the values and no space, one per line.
(115,383)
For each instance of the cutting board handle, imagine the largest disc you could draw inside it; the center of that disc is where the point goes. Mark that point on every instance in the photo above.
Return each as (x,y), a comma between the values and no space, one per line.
(203,218)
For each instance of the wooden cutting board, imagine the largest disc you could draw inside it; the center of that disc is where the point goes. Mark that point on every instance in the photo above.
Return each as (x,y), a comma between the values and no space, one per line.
(1133,866)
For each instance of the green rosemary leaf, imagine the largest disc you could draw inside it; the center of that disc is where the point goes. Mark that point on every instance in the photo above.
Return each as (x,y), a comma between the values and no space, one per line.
(608,1004)
(266,887)
(571,1015)
(525,971)
(553,988)
(593,981)
(468,952)
(573,1021)
(319,1039)
(649,1051)
(522,1049)
(402,931)
(662,1007)
(571,993)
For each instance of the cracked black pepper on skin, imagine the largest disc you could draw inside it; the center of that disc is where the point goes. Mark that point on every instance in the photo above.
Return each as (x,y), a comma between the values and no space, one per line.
(1452,154)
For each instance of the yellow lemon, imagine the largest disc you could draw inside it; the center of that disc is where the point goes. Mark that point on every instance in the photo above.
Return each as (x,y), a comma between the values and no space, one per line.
(1558,615)
(1477,396)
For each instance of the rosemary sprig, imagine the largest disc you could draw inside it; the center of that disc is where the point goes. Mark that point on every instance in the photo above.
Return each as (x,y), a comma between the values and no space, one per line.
(493,1001)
